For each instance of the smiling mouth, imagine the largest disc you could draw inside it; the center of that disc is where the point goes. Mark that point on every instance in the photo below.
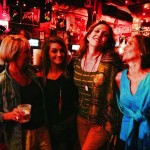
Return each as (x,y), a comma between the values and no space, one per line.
(97,40)
(59,59)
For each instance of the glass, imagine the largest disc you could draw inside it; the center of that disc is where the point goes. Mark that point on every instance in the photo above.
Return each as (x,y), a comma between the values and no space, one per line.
(26,108)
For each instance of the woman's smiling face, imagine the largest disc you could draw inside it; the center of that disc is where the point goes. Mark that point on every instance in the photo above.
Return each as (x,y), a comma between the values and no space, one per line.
(56,53)
(99,36)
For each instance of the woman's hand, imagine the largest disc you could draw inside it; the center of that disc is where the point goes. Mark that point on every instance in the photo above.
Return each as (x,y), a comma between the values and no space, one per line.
(14,115)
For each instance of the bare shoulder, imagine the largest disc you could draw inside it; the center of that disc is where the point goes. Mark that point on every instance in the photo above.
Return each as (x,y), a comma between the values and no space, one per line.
(118,78)
(149,70)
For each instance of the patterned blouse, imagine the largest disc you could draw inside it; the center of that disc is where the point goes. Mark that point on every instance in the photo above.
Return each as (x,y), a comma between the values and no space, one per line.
(97,102)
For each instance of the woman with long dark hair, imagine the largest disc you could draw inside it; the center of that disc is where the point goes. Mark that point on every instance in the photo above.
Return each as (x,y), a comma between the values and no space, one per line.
(134,94)
(95,71)
(61,94)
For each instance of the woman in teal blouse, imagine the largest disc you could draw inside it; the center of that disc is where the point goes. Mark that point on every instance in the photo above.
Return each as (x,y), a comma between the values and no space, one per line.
(134,94)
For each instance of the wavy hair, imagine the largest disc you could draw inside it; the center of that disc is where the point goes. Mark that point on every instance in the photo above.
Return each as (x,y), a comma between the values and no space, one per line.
(110,44)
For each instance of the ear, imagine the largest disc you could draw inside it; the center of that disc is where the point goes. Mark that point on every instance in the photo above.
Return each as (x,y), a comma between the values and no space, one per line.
(88,37)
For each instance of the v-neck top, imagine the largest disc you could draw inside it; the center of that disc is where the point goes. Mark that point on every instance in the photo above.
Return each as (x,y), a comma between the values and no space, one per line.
(96,92)
(135,107)
(69,96)
(133,101)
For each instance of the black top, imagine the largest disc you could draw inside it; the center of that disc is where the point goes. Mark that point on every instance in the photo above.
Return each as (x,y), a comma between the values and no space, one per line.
(31,94)
(69,95)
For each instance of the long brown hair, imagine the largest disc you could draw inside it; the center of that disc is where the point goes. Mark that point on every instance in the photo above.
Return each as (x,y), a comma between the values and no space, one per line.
(46,63)
(110,44)
(144,47)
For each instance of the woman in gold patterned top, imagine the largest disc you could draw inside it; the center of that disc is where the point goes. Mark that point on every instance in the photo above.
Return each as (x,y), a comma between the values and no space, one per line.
(94,73)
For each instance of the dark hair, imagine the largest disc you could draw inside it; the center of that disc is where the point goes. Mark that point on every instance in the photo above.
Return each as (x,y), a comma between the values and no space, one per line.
(27,34)
(2,29)
(110,42)
(45,54)
(144,47)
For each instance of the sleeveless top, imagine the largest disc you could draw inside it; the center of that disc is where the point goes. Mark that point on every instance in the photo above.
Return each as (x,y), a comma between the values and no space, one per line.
(136,112)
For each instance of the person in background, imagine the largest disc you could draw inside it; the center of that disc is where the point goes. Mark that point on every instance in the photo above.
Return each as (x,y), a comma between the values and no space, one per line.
(19,85)
(134,94)
(25,33)
(3,34)
(61,94)
(94,73)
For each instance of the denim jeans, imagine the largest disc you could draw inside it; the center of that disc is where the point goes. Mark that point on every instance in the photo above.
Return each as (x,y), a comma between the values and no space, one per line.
(37,139)
(91,136)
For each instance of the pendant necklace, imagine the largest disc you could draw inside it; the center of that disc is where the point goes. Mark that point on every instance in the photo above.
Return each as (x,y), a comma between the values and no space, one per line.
(86,86)
(60,94)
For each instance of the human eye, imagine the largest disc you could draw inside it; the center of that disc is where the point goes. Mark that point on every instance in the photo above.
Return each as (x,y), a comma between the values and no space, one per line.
(54,50)
(129,43)
(62,50)
(104,33)
(96,31)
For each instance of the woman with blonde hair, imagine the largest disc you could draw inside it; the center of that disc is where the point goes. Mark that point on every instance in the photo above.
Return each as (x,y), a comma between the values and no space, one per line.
(19,85)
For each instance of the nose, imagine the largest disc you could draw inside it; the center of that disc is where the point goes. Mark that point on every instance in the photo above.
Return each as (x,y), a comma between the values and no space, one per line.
(59,53)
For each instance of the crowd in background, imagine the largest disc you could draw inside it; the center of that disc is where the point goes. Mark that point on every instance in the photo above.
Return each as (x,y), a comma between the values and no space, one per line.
(94,100)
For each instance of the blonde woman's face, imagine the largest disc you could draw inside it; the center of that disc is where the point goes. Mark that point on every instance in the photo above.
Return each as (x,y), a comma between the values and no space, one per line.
(23,59)
(99,36)
(56,54)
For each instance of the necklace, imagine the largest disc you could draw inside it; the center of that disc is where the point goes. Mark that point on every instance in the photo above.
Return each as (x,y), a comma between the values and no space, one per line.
(59,85)
(85,85)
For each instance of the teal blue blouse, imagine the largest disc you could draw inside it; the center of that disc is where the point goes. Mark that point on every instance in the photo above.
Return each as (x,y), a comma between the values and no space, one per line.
(136,112)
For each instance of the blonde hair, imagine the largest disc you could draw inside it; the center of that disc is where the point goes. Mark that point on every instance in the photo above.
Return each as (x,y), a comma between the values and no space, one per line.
(11,45)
